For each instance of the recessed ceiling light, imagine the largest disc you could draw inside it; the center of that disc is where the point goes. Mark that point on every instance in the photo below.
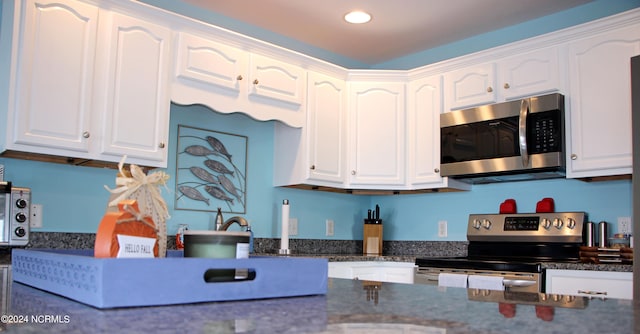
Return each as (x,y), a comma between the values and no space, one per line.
(357,17)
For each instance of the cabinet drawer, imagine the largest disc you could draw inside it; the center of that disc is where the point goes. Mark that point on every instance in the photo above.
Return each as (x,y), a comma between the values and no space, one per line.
(605,284)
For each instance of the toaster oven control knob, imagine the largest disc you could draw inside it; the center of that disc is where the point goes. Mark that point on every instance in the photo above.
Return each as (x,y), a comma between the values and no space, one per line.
(21,217)
(557,223)
(546,223)
(21,203)
(486,223)
(20,232)
(476,224)
(571,223)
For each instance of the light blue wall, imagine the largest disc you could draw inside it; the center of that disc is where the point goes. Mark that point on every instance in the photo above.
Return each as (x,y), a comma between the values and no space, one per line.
(411,217)
(74,198)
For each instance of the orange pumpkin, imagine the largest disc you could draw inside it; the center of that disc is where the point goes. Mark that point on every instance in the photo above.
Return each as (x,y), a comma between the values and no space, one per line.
(126,221)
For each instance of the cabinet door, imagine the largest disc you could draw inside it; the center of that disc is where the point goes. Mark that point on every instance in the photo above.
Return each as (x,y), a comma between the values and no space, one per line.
(377,140)
(606,284)
(600,103)
(398,274)
(276,80)
(210,63)
(134,80)
(424,105)
(470,86)
(533,73)
(326,123)
(55,76)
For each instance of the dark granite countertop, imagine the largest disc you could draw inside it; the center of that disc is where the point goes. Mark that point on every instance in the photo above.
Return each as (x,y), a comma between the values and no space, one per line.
(348,306)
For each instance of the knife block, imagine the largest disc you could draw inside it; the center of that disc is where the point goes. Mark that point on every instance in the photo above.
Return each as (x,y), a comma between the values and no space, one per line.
(372,237)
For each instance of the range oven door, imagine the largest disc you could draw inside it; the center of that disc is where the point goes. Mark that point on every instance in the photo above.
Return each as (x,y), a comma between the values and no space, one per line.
(513,281)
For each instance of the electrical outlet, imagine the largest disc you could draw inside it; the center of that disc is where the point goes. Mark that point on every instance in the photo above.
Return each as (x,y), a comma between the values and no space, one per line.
(624,225)
(35,219)
(442,229)
(293,226)
(329,224)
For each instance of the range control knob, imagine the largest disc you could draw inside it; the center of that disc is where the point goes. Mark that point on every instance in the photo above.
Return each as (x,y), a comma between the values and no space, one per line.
(21,203)
(557,223)
(20,232)
(21,217)
(486,223)
(476,224)
(571,223)
(546,223)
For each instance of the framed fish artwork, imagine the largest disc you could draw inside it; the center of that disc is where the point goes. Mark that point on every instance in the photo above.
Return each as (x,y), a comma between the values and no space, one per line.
(211,169)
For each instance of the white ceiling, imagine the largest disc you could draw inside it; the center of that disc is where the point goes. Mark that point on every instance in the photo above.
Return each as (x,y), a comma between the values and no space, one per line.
(398,27)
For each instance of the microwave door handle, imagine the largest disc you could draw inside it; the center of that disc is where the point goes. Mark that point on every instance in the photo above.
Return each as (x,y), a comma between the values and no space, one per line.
(522,132)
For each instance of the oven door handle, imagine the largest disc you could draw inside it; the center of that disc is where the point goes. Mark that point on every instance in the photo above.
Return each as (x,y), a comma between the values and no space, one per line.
(522,132)
(517,283)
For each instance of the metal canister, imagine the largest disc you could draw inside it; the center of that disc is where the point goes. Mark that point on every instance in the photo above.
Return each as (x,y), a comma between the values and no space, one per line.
(602,234)
(589,234)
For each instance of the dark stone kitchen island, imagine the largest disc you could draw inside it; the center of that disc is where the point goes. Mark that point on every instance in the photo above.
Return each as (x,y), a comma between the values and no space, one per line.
(349,306)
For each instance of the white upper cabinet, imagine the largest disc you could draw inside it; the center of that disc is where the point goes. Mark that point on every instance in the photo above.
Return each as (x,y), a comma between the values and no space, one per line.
(527,74)
(132,89)
(53,89)
(470,86)
(85,89)
(600,103)
(315,153)
(228,79)
(220,67)
(326,128)
(424,105)
(533,73)
(276,80)
(376,134)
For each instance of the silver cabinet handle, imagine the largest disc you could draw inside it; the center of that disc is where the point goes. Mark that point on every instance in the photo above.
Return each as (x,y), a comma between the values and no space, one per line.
(574,157)
(161,145)
(255,82)
(517,283)
(489,89)
(436,170)
(86,134)
(506,86)
(593,293)
(353,172)
(239,77)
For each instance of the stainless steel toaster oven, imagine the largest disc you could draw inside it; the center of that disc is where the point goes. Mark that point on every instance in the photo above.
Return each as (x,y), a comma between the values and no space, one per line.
(15,203)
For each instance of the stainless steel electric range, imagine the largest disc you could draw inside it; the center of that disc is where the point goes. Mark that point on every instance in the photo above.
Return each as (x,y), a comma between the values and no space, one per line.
(512,246)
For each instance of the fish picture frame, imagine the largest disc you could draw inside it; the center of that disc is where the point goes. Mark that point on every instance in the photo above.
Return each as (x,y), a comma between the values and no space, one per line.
(211,169)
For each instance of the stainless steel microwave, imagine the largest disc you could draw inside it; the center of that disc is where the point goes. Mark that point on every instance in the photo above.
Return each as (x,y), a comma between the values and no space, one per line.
(510,141)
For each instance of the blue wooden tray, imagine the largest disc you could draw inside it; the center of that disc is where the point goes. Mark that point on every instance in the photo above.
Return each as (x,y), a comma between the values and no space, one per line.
(113,283)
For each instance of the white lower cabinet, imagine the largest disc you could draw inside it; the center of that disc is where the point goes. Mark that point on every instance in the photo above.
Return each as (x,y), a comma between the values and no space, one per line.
(606,284)
(381,271)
